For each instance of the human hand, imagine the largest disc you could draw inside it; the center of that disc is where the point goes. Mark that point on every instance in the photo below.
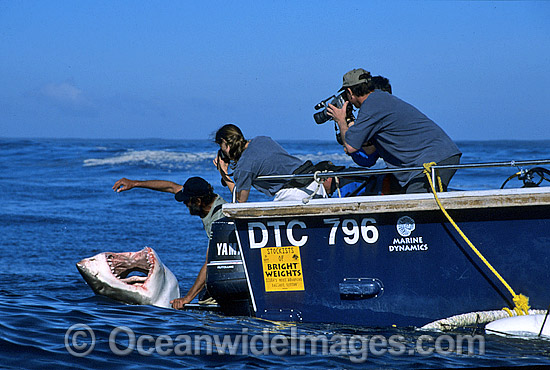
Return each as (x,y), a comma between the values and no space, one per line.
(220,164)
(123,184)
(338,114)
(179,303)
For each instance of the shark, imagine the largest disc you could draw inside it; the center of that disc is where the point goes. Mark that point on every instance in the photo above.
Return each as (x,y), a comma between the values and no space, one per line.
(521,326)
(131,277)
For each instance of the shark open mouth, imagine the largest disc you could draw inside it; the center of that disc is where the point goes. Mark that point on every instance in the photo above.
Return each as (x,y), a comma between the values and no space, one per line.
(132,268)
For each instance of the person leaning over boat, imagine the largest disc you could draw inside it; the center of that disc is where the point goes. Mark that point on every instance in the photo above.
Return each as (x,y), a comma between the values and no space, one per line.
(199,197)
(260,156)
(402,135)
(367,155)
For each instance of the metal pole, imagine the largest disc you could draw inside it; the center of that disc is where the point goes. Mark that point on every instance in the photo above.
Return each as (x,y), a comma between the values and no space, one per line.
(407,169)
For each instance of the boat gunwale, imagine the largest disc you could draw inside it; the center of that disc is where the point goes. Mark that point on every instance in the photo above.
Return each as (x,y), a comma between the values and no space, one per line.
(468,199)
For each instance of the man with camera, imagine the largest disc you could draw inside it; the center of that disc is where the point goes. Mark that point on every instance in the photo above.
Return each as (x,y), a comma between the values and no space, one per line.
(402,135)
(199,197)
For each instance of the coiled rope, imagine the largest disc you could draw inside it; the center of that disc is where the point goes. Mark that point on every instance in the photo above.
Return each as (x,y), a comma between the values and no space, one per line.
(521,302)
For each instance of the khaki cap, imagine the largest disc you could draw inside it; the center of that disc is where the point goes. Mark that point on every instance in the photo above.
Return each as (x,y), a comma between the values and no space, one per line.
(352,78)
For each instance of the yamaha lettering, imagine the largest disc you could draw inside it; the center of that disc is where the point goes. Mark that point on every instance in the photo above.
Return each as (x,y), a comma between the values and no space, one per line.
(227,249)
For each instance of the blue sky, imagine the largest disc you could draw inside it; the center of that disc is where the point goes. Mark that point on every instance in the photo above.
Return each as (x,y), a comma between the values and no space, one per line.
(181,69)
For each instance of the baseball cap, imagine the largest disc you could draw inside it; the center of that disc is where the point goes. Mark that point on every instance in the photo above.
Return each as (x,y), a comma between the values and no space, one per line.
(193,187)
(352,78)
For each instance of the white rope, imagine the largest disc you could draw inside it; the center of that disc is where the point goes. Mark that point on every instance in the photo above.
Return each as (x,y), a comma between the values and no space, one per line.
(319,183)
(471,318)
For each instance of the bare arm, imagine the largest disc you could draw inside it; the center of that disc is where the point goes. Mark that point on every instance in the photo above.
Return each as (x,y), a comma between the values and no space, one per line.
(200,282)
(242,196)
(223,167)
(158,185)
(369,148)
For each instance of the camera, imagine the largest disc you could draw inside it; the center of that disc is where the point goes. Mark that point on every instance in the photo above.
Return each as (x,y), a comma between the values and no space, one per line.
(223,157)
(337,100)
(322,116)
(377,82)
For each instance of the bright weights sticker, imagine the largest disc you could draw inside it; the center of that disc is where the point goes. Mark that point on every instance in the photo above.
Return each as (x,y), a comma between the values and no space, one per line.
(282,269)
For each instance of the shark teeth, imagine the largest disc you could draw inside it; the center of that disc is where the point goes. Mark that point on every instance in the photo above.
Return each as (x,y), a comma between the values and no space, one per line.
(150,259)
(110,263)
(123,264)
(113,271)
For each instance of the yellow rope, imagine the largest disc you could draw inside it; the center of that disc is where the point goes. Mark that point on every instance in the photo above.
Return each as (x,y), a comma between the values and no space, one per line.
(521,301)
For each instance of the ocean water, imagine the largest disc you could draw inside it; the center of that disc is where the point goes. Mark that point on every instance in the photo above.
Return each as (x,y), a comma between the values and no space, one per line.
(57,207)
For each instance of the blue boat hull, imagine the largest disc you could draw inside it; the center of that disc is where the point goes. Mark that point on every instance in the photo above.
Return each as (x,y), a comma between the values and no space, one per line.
(405,268)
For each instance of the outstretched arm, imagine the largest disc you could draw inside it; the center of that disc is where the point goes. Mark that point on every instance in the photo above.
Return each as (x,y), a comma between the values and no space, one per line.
(159,185)
(200,282)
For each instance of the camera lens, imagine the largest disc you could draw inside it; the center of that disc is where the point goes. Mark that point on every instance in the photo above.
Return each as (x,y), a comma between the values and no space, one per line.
(319,106)
(321,117)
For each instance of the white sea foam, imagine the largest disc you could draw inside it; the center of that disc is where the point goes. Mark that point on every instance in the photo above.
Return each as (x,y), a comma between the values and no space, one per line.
(151,157)
(168,159)
(336,158)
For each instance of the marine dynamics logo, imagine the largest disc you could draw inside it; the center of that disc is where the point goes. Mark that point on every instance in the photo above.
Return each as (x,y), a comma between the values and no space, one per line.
(405,226)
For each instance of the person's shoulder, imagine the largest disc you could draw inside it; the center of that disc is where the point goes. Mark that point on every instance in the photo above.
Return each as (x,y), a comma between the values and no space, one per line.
(259,139)
(380,95)
(219,199)
(215,209)
(261,143)
(379,100)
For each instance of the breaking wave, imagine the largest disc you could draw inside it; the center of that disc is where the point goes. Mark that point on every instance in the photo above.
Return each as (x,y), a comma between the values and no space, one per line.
(162,158)
(152,158)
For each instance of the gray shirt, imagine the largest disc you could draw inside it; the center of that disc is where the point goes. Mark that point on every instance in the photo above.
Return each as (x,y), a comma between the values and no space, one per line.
(403,136)
(263,156)
(214,214)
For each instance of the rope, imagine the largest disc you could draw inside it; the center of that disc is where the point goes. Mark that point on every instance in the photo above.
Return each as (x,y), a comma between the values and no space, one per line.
(472,318)
(319,183)
(510,178)
(521,302)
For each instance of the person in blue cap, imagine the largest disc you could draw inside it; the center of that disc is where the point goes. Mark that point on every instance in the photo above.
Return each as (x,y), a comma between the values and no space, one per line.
(199,197)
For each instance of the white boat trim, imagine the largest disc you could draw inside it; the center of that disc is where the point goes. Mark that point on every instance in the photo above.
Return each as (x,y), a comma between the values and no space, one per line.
(224,262)
(250,291)
(391,203)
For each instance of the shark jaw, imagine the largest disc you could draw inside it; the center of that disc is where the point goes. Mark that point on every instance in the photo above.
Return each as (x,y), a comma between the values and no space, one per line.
(130,277)
(123,264)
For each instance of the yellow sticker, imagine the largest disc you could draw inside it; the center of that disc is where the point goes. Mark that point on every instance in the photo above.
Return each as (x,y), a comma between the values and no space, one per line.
(282,269)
